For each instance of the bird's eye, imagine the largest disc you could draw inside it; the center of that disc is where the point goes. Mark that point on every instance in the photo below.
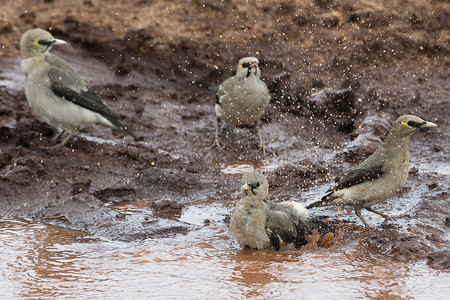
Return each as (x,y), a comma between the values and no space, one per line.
(245,65)
(415,124)
(258,184)
(44,43)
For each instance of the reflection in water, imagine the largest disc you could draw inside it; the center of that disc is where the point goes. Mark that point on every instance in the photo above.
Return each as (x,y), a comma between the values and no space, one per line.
(47,262)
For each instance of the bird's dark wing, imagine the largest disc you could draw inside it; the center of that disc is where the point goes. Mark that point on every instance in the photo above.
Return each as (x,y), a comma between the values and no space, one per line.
(67,84)
(64,86)
(302,231)
(316,224)
(281,224)
(362,173)
(359,175)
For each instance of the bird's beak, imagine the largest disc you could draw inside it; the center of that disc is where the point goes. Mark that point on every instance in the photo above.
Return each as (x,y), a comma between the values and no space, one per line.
(246,189)
(254,64)
(58,42)
(429,124)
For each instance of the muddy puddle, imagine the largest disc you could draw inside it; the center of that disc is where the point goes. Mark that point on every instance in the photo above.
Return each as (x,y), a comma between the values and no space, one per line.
(48,262)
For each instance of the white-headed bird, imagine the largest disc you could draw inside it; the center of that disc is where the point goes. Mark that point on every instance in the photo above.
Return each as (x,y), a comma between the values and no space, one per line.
(242,98)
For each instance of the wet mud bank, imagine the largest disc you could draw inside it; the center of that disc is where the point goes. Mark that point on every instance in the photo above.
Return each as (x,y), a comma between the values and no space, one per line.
(339,75)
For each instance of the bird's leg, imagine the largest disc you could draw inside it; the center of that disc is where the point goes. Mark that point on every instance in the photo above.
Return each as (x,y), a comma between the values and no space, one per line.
(358,213)
(59,135)
(216,138)
(74,131)
(261,141)
(377,212)
(58,217)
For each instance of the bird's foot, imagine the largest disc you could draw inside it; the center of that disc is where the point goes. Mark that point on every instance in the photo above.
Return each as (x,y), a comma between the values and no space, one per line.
(398,217)
(59,145)
(386,217)
(67,138)
(64,218)
(59,135)
(217,144)
(62,143)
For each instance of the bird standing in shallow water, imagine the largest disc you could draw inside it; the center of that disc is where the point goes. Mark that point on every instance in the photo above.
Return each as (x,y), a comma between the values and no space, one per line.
(258,223)
(381,175)
(242,98)
(56,92)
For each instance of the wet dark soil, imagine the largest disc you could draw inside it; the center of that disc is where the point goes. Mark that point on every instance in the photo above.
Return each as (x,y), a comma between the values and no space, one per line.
(340,72)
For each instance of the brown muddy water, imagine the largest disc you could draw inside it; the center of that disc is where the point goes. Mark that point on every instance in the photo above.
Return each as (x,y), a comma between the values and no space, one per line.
(47,262)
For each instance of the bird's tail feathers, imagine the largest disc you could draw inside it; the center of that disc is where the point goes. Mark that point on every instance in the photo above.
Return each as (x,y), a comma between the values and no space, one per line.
(327,196)
(302,231)
(305,228)
(314,204)
(122,127)
(324,200)
(126,130)
(322,227)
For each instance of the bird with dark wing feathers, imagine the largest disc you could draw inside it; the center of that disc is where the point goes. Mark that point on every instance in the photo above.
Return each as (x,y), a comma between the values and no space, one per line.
(56,92)
(258,223)
(381,175)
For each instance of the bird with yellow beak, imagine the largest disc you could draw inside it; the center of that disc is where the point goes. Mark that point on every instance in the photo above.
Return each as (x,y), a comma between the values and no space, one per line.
(56,92)
(242,99)
(258,222)
(381,175)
